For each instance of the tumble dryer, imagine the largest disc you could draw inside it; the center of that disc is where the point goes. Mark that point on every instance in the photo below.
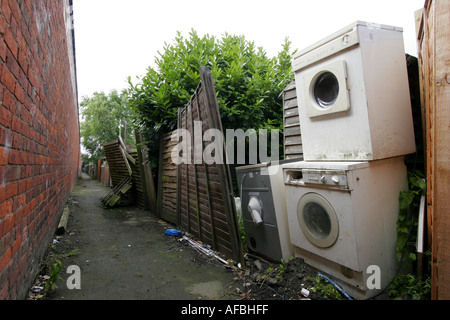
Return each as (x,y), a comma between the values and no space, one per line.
(342,218)
(264,212)
(353,95)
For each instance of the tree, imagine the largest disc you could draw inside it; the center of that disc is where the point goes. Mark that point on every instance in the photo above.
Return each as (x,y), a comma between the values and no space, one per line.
(103,118)
(247,84)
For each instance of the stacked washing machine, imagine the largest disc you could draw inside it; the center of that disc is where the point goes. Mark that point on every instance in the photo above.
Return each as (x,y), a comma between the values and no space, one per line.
(356,124)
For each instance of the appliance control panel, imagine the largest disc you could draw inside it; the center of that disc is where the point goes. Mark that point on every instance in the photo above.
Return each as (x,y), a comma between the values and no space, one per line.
(326,178)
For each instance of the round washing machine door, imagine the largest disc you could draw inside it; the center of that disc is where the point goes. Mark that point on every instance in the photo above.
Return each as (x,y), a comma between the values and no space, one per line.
(318,220)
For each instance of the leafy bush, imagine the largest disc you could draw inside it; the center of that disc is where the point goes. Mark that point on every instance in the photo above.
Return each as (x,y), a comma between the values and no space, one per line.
(247,84)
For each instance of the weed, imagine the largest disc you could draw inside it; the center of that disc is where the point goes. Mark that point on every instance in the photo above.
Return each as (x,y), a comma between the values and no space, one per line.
(326,289)
(408,216)
(243,233)
(74,252)
(279,271)
(409,286)
(54,276)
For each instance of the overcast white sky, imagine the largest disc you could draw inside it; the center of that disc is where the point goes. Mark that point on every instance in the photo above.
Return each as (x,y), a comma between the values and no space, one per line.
(116,38)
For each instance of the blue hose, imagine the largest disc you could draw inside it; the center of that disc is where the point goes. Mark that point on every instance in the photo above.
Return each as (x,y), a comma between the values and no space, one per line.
(336,286)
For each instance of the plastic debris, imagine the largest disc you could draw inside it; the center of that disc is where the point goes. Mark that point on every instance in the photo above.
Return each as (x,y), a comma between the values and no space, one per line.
(37,289)
(204,249)
(305,292)
(172,232)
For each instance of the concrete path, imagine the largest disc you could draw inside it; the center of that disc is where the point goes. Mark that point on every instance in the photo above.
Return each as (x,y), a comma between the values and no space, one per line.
(123,254)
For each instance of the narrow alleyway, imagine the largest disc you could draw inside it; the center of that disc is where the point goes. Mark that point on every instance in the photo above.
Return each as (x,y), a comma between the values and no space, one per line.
(123,254)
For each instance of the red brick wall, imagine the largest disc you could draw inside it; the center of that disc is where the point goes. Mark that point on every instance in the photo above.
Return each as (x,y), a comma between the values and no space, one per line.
(39,134)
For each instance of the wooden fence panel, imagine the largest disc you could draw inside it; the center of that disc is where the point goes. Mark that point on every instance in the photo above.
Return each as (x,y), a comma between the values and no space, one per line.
(117,165)
(138,189)
(124,163)
(205,200)
(434,56)
(167,180)
(293,146)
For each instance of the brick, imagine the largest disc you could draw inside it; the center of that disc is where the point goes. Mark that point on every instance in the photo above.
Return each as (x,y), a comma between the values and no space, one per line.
(18,202)
(11,43)
(22,186)
(4,246)
(14,276)
(8,79)
(26,115)
(23,160)
(15,10)
(17,125)
(6,10)
(16,245)
(11,189)
(3,49)
(17,157)
(28,173)
(5,117)
(23,61)
(18,141)
(25,215)
(13,25)
(2,194)
(3,24)
(6,208)
(9,101)
(21,41)
(25,15)
(20,93)
(10,173)
(9,224)
(5,137)
(14,157)
(27,7)
(5,259)
(12,65)
(33,76)
(3,156)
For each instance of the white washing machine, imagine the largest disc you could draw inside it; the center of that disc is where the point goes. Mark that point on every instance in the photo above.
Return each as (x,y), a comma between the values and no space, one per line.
(353,95)
(342,218)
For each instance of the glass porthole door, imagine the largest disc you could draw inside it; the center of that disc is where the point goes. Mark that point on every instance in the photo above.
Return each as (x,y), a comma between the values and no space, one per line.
(326,90)
(318,220)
